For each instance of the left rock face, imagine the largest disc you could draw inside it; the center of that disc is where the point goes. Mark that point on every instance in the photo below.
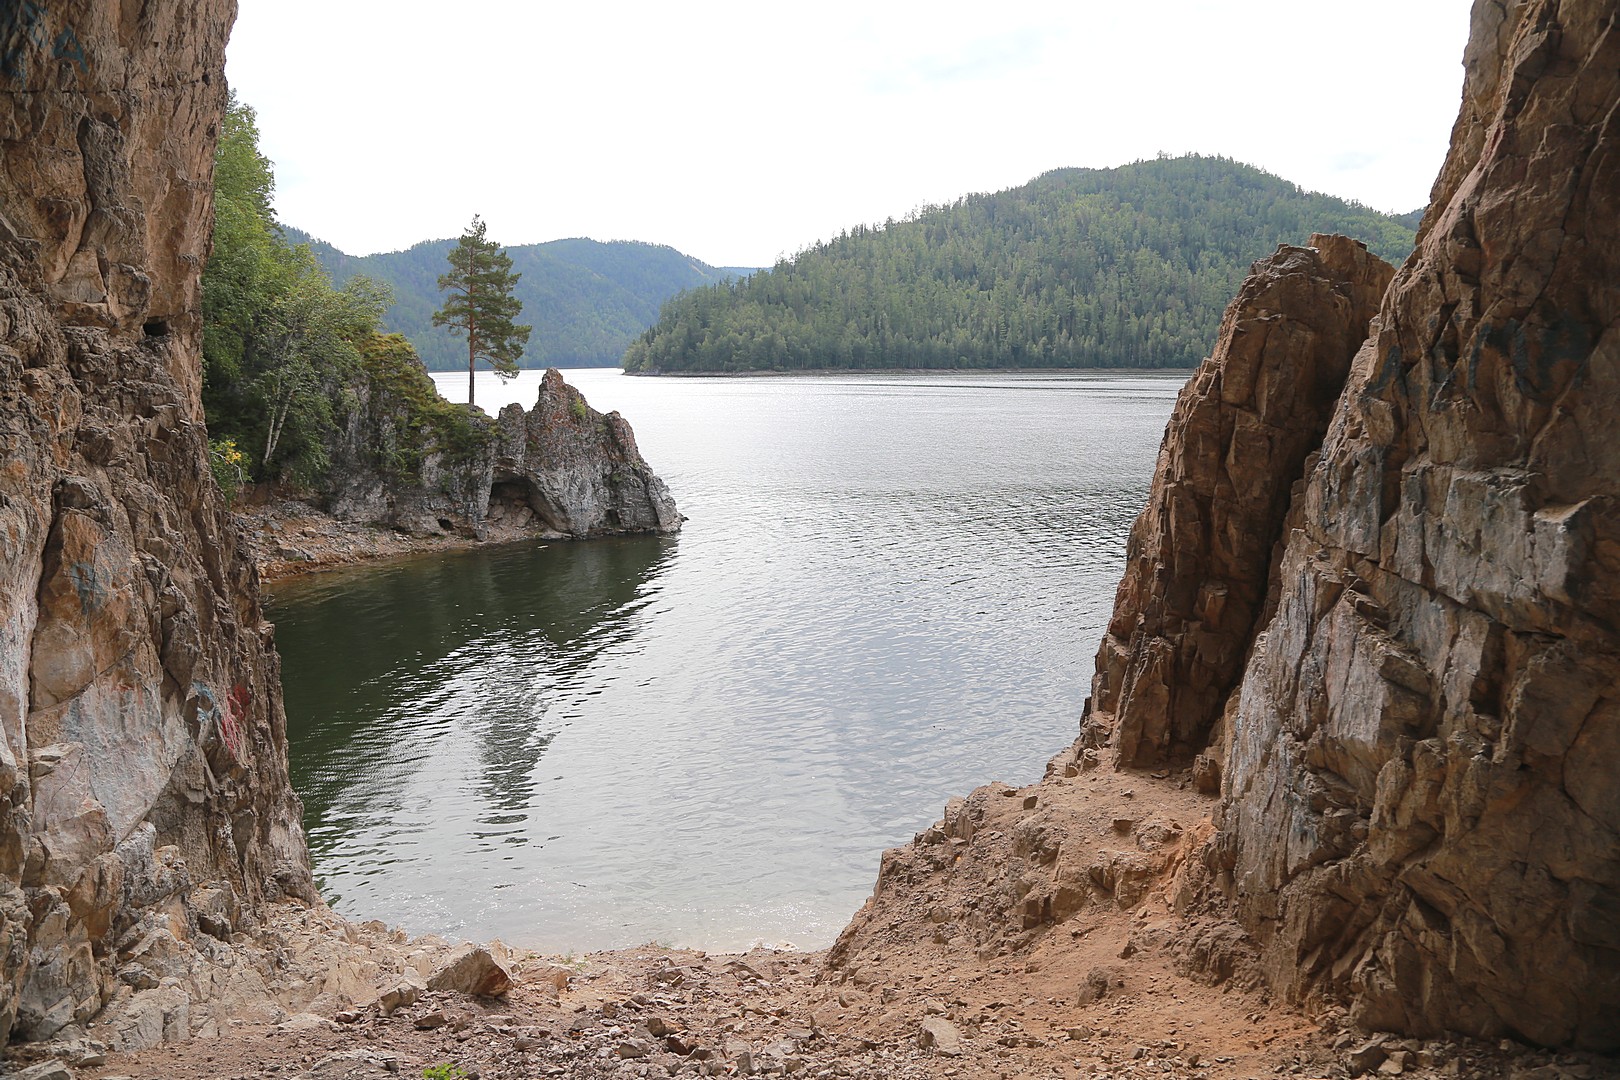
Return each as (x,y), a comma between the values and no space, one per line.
(143,779)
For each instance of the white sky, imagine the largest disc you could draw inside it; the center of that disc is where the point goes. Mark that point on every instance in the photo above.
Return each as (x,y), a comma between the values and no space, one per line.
(741,131)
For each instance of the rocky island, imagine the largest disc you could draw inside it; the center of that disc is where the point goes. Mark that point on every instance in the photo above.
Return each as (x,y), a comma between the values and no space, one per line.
(1342,801)
(559,470)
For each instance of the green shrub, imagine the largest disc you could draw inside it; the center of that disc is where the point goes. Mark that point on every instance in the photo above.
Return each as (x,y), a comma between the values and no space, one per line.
(229,465)
(400,385)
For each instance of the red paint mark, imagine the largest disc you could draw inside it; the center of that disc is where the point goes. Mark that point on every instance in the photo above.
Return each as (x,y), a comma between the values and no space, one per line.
(232,721)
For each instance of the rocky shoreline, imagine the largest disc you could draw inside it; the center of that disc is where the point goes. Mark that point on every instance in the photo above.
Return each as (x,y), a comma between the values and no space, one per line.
(559,467)
(291,538)
(558,471)
(310,995)
(1047,372)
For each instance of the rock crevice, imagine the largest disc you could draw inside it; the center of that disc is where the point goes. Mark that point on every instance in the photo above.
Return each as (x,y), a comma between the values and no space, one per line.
(1199,558)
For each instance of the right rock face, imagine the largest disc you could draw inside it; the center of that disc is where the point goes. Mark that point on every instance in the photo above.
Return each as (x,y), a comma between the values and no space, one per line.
(1419,751)
(1199,555)
(1421,809)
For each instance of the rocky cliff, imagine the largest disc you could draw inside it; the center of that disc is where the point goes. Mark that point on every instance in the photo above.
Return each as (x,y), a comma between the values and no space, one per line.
(1373,603)
(1419,811)
(560,469)
(144,804)
(1199,557)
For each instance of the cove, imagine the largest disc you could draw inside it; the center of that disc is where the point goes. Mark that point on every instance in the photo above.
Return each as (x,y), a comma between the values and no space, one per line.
(888,591)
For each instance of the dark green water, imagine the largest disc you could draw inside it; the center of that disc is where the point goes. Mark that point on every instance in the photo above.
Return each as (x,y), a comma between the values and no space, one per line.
(512,632)
(889,591)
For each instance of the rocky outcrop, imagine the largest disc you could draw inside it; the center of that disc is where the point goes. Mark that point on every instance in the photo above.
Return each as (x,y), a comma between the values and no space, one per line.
(560,469)
(578,470)
(144,804)
(1199,556)
(405,458)
(1419,812)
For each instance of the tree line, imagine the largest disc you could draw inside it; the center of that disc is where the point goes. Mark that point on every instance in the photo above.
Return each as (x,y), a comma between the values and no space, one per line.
(1125,267)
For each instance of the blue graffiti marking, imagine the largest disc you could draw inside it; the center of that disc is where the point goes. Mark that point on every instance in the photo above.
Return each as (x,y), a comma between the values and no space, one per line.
(67,47)
(23,31)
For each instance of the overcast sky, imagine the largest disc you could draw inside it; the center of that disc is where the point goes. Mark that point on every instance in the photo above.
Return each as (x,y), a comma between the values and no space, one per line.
(741,131)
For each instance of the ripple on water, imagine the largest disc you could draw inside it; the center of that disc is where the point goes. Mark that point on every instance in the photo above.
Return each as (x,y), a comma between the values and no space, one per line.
(889,591)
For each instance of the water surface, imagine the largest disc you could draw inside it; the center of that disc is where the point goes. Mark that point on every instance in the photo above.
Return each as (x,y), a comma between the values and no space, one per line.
(889,591)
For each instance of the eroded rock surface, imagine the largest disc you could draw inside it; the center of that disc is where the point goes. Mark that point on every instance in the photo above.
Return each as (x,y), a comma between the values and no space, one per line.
(1199,556)
(1420,809)
(145,811)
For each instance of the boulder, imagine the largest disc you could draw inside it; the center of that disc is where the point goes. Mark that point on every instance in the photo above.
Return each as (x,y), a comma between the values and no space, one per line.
(49,1070)
(1094,987)
(939,1035)
(401,995)
(471,969)
(351,1065)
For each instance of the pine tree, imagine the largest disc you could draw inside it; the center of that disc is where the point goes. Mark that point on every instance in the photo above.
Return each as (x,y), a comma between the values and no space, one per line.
(481,305)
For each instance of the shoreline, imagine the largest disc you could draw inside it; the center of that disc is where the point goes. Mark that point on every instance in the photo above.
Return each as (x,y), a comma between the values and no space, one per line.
(290,539)
(315,995)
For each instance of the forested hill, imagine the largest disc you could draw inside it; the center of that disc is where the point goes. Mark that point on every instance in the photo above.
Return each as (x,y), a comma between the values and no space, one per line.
(586,300)
(1126,267)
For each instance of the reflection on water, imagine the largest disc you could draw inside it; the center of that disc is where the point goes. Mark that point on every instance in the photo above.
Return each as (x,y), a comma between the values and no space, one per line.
(451,672)
(889,591)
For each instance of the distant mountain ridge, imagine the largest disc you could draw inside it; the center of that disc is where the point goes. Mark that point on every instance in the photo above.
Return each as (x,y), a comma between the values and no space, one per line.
(586,299)
(1123,267)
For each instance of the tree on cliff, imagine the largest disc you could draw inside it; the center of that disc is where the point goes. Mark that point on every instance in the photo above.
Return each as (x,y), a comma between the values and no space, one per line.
(481,305)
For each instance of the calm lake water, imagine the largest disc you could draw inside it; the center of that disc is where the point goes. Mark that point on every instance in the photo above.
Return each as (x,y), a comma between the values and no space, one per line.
(889,591)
